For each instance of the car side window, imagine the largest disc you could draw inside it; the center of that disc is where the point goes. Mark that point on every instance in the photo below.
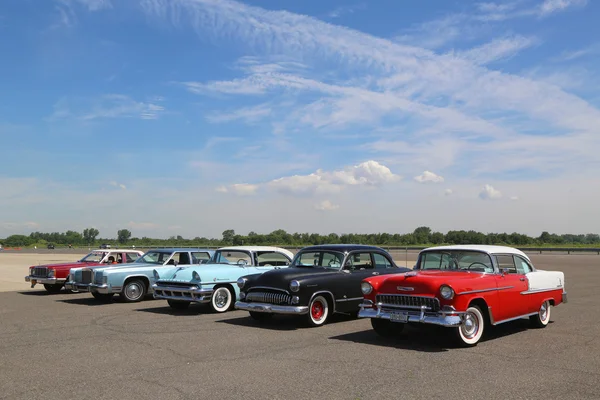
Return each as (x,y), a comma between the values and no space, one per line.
(523,266)
(358,261)
(271,258)
(381,261)
(506,262)
(199,256)
(131,257)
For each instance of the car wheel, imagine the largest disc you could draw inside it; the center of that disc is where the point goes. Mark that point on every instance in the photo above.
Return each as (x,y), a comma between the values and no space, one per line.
(260,316)
(222,299)
(318,311)
(386,328)
(178,304)
(542,318)
(471,330)
(53,289)
(133,291)
(104,297)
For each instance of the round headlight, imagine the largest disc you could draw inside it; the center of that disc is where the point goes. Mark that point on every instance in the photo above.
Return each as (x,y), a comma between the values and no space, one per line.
(446,292)
(156,275)
(195,276)
(366,287)
(294,286)
(241,282)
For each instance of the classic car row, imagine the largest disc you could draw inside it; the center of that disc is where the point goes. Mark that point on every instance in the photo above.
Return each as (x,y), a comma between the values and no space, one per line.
(465,288)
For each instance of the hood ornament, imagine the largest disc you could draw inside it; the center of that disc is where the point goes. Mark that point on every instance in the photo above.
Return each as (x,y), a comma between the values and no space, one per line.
(405,288)
(410,273)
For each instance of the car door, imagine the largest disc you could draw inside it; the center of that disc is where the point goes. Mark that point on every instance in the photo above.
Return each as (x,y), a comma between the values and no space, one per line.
(357,266)
(510,284)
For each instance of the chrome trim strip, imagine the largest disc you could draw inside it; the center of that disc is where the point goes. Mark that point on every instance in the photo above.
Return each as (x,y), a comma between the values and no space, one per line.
(449,321)
(514,318)
(216,282)
(541,290)
(350,299)
(271,308)
(485,290)
(190,293)
(50,281)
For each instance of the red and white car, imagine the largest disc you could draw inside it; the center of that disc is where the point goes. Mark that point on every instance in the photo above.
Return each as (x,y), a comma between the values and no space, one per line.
(54,276)
(464,288)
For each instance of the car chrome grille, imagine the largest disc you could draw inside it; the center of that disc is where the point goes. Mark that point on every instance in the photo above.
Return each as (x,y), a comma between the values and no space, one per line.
(40,271)
(405,301)
(98,278)
(176,284)
(86,276)
(269,298)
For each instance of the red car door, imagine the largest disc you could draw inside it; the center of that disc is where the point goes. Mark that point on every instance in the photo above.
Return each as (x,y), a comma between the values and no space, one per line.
(510,284)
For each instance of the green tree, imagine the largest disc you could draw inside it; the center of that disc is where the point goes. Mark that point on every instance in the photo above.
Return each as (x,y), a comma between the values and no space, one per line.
(90,234)
(421,234)
(228,236)
(123,235)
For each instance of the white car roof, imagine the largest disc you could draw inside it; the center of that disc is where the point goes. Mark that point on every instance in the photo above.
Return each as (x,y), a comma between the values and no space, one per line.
(486,248)
(119,250)
(258,248)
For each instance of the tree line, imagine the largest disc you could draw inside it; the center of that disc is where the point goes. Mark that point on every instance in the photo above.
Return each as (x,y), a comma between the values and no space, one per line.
(421,236)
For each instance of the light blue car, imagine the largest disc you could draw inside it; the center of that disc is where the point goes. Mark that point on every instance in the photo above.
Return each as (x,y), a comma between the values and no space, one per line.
(133,281)
(215,281)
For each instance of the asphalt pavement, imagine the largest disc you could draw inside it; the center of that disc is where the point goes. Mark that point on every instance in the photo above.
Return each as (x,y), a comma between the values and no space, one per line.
(69,346)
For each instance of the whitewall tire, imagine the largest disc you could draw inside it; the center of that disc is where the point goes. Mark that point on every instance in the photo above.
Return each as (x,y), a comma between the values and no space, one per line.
(221,299)
(318,311)
(542,318)
(470,331)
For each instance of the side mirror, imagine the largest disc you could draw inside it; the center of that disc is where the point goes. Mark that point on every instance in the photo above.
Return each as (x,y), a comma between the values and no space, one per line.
(504,271)
(175,262)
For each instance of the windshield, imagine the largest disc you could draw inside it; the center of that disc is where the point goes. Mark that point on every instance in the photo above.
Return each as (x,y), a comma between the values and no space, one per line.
(94,257)
(232,257)
(154,257)
(456,260)
(320,259)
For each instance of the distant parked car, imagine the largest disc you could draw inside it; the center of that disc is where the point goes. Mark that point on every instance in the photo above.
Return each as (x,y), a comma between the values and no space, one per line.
(321,280)
(215,282)
(50,246)
(132,281)
(105,246)
(54,276)
(465,288)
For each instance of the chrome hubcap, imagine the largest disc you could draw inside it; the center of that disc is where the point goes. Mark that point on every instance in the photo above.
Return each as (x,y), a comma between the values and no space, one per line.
(544,312)
(221,298)
(133,291)
(470,326)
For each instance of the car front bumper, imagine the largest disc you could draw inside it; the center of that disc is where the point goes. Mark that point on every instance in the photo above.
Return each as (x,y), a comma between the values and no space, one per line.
(34,280)
(271,308)
(88,287)
(194,294)
(564,297)
(449,319)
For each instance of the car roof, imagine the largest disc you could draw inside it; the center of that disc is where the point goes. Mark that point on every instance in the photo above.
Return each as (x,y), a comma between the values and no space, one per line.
(342,247)
(172,249)
(258,248)
(486,248)
(123,250)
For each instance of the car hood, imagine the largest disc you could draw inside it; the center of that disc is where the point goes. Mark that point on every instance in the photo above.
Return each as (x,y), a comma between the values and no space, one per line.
(427,282)
(65,265)
(207,272)
(280,278)
(115,268)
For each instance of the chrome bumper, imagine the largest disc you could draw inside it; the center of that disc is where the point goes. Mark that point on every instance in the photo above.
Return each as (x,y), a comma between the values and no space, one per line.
(193,293)
(564,297)
(48,281)
(450,319)
(88,287)
(271,308)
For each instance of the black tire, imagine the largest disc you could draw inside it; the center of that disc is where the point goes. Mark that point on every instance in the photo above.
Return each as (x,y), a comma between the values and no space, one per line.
(178,304)
(542,318)
(133,291)
(260,316)
(103,297)
(53,289)
(385,328)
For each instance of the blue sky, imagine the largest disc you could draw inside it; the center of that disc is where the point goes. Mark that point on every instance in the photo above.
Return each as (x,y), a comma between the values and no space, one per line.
(194,116)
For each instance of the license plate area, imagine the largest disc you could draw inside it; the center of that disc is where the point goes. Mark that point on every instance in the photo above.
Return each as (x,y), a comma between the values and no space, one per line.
(82,288)
(396,316)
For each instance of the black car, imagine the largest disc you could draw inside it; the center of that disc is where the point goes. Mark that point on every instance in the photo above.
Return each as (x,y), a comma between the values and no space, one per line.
(320,281)
(50,246)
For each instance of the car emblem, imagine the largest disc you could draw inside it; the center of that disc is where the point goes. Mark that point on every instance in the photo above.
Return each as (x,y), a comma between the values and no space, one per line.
(405,288)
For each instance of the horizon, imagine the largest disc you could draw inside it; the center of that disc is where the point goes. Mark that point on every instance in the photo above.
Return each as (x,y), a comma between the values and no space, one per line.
(190,117)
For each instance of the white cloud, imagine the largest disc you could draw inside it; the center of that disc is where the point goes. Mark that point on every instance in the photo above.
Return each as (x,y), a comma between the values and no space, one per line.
(107,106)
(326,205)
(428,176)
(246,114)
(116,184)
(240,189)
(489,193)
(498,49)
(448,192)
(552,6)
(122,186)
(514,198)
